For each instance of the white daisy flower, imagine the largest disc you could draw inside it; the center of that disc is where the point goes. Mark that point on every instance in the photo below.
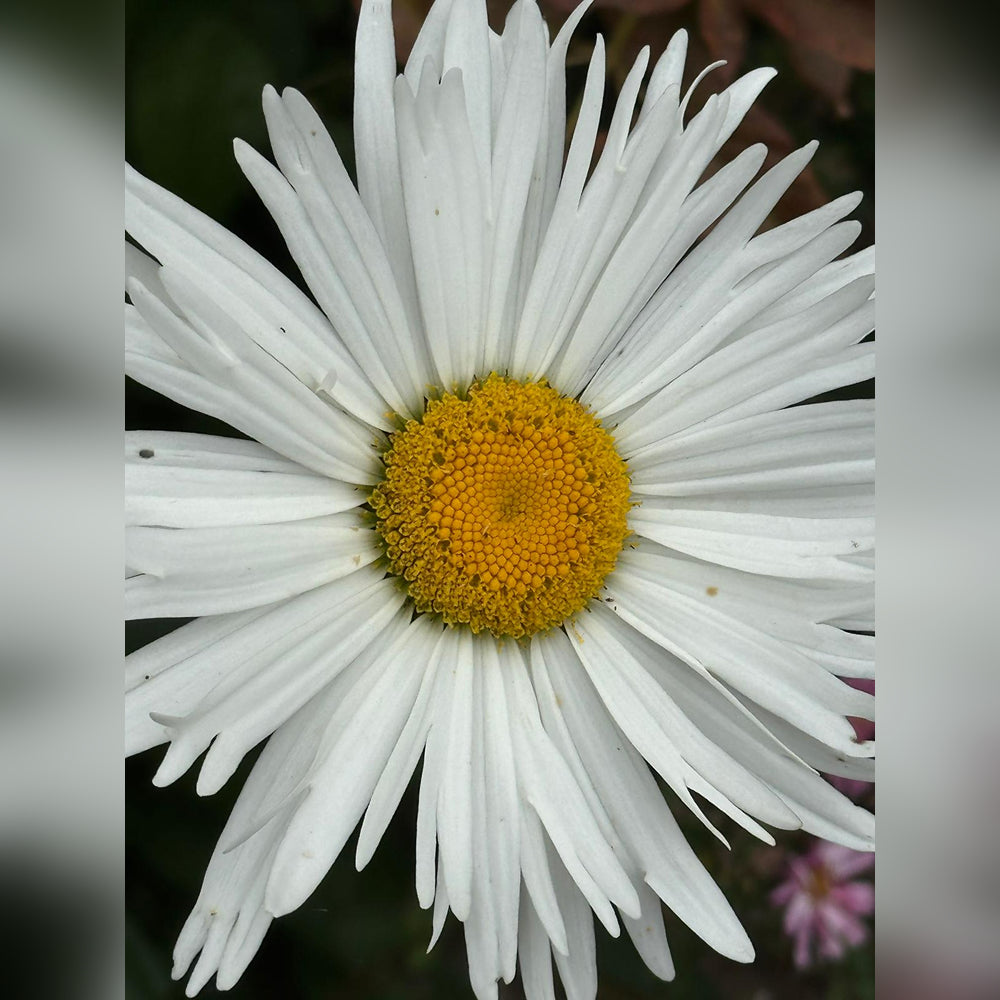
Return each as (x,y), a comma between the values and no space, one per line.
(528,500)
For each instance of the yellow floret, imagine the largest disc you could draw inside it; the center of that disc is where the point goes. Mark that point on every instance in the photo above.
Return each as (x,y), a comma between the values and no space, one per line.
(504,511)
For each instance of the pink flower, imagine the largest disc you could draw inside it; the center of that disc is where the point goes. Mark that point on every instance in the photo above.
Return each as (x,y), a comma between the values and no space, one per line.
(822,904)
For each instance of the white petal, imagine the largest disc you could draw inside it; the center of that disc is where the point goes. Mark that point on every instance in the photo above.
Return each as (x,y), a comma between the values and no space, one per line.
(669,225)
(402,762)
(649,935)
(291,327)
(156,682)
(757,373)
(228,921)
(363,729)
(638,811)
(538,883)
(177,497)
(445,191)
(174,449)
(823,810)
(551,283)
(578,968)
(649,737)
(758,543)
(825,444)
(346,270)
(482,937)
(736,650)
(207,571)
(501,824)
(467,49)
(726,281)
(549,786)
(267,670)
(615,662)
(514,165)
(216,368)
(375,148)
(815,753)
(454,802)
(533,954)
(545,183)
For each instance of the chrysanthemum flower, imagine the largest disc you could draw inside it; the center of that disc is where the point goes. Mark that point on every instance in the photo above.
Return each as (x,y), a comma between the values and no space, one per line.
(527,499)
(823,906)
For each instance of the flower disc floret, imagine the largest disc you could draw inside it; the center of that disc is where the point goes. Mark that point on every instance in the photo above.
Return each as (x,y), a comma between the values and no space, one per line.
(504,510)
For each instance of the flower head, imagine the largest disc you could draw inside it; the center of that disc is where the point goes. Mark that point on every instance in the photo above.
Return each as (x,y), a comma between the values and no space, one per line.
(822,903)
(527,503)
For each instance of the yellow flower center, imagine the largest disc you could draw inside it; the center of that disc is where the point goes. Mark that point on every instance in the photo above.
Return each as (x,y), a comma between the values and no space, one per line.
(505,510)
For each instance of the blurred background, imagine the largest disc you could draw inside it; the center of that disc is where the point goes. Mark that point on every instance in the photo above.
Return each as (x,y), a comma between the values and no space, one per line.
(194,74)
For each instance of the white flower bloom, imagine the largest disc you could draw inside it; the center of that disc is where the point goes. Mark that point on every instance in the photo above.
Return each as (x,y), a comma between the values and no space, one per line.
(706,646)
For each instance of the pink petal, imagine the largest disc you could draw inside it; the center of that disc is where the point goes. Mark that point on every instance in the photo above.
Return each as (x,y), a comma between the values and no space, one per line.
(842,862)
(801,955)
(855,897)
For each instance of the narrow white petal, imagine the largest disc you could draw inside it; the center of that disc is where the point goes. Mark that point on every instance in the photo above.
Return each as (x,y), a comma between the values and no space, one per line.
(815,753)
(668,71)
(156,494)
(454,800)
(482,937)
(759,543)
(433,768)
(550,788)
(375,147)
(649,935)
(330,260)
(269,669)
(668,338)
(502,828)
(690,335)
(824,444)
(616,667)
(735,650)
(363,729)
(636,721)
(638,810)
(442,907)
(156,681)
(467,49)
(538,879)
(545,183)
(229,920)
(514,165)
(294,330)
(550,281)
(578,968)
(207,571)
(390,268)
(402,762)
(445,191)
(533,953)
(743,372)
(179,450)
(824,812)
(215,368)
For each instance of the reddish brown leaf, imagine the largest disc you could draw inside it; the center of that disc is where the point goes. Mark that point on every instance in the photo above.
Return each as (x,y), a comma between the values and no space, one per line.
(723,27)
(823,73)
(843,29)
(638,7)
